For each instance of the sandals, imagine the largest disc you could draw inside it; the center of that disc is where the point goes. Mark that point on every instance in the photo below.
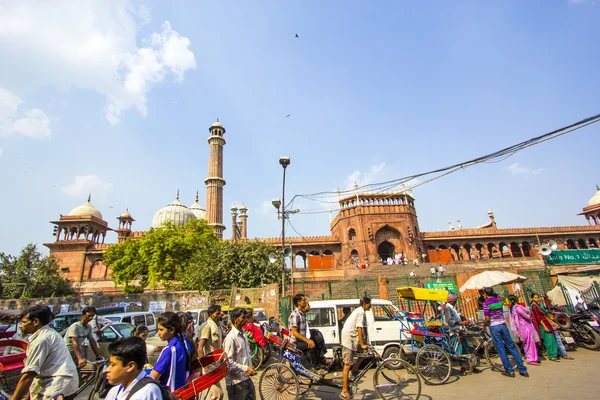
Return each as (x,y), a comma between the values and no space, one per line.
(567,358)
(553,359)
(349,397)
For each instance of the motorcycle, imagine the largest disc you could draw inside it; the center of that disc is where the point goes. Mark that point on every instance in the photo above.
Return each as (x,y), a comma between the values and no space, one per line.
(582,326)
(594,308)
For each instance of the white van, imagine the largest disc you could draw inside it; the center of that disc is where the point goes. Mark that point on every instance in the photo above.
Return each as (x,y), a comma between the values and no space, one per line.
(383,327)
(136,318)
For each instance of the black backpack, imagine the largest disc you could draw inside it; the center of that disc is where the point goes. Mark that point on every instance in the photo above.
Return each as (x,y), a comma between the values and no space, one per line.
(164,391)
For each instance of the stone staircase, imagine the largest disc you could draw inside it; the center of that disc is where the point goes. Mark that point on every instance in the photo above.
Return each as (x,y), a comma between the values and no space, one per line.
(423,270)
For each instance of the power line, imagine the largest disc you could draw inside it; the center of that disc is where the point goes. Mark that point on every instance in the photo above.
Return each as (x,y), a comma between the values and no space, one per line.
(497,156)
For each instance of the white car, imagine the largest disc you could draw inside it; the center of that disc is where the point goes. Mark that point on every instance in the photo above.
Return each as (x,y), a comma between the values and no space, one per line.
(383,323)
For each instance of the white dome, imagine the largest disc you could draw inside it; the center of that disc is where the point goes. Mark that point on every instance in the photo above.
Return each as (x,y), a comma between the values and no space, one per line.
(595,199)
(176,213)
(217,124)
(86,209)
(197,210)
(126,214)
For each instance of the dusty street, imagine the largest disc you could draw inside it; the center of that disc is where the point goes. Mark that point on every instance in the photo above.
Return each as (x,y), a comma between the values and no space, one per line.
(574,379)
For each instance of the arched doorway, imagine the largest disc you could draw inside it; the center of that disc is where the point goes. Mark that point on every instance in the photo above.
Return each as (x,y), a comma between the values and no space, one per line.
(385,250)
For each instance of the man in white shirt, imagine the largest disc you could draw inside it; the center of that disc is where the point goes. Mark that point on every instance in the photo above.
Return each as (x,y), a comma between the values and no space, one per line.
(352,335)
(126,371)
(49,370)
(97,323)
(239,384)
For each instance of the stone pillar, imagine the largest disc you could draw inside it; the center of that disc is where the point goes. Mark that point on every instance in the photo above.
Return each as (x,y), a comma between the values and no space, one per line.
(215,182)
(234,230)
(244,221)
(521,248)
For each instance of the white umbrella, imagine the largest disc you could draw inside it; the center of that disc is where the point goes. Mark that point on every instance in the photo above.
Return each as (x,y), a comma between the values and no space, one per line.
(491,278)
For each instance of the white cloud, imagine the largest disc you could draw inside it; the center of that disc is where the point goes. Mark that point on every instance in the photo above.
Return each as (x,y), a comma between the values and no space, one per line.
(518,169)
(1,151)
(363,178)
(92,45)
(33,122)
(84,185)
(577,1)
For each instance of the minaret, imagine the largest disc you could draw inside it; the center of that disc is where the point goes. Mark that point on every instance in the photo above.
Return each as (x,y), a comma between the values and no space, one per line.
(125,221)
(244,221)
(215,182)
(234,231)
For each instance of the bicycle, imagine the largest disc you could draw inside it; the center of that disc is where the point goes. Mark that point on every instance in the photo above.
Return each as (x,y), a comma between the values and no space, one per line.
(91,376)
(288,378)
(434,359)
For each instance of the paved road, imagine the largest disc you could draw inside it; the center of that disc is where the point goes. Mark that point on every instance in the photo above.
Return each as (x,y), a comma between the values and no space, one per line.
(576,379)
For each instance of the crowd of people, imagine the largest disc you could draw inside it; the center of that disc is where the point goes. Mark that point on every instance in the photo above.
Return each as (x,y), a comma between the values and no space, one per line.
(53,360)
(534,327)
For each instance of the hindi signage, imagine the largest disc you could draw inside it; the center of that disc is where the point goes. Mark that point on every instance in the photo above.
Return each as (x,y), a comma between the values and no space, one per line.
(449,286)
(567,257)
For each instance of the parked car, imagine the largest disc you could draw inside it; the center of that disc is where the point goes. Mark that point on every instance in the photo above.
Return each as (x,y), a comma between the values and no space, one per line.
(383,324)
(137,318)
(65,320)
(260,314)
(109,334)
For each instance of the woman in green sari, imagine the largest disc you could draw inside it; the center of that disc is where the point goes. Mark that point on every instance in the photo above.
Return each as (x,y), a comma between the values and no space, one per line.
(544,328)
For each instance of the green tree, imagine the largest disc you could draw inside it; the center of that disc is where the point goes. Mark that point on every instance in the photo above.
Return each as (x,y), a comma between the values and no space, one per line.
(226,264)
(31,275)
(159,257)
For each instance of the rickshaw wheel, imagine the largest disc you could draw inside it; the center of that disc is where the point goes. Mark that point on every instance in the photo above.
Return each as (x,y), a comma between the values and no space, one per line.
(433,364)
(257,353)
(278,381)
(397,379)
(491,355)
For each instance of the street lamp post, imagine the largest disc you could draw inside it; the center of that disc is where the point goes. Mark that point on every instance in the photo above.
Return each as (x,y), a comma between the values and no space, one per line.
(283,214)
(284,161)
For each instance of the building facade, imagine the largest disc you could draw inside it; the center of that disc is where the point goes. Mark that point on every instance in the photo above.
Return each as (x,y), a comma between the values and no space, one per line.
(369,229)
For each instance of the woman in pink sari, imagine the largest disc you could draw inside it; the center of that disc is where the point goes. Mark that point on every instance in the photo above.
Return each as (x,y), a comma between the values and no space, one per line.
(520,323)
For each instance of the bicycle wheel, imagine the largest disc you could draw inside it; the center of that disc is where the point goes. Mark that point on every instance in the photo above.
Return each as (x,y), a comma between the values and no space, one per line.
(99,381)
(278,381)
(257,354)
(397,379)
(85,380)
(433,364)
(266,353)
(493,359)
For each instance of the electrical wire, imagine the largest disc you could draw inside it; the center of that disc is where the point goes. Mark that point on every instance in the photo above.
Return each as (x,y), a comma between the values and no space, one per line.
(495,157)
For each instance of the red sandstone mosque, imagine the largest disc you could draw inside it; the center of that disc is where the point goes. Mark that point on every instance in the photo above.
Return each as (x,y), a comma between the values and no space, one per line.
(369,227)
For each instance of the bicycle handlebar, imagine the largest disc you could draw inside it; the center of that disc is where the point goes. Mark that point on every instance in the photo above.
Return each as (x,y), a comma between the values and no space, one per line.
(99,361)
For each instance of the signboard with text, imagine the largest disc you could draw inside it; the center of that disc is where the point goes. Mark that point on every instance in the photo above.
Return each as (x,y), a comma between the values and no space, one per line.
(449,286)
(566,257)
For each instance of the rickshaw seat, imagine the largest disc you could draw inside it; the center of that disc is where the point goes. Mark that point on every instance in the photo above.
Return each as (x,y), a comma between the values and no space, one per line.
(423,333)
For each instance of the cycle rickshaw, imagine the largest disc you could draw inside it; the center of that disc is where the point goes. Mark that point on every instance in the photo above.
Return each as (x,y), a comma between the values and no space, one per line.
(432,346)
(287,378)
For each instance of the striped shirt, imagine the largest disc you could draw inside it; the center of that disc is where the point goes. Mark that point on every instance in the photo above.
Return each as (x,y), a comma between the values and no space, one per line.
(493,308)
(298,319)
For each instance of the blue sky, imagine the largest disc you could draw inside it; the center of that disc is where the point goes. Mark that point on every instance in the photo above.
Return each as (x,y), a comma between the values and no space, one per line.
(116,98)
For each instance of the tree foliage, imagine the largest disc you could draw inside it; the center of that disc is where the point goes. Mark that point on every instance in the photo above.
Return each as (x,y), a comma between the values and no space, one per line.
(159,257)
(31,275)
(227,264)
(189,258)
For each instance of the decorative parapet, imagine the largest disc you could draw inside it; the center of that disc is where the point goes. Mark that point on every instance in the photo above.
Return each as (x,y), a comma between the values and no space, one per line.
(298,240)
(556,230)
